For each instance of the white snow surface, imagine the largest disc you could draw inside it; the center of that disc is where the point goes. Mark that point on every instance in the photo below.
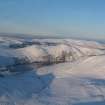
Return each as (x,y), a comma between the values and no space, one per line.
(80,82)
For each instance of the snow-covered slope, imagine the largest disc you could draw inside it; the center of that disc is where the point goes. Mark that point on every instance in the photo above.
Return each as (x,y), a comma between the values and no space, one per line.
(70,52)
(33,53)
(79,83)
(28,54)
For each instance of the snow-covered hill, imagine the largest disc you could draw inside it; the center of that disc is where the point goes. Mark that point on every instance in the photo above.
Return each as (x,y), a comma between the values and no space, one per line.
(66,50)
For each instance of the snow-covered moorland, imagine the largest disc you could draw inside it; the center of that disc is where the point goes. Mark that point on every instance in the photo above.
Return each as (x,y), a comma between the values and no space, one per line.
(51,72)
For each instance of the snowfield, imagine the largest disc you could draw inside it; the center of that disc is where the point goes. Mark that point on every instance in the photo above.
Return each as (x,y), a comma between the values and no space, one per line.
(71,72)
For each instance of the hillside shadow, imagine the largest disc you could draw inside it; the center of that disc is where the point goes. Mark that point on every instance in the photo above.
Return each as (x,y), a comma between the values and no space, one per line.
(96,82)
(24,85)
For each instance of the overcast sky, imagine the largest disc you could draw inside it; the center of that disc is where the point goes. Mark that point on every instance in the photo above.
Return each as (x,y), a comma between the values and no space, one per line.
(74,18)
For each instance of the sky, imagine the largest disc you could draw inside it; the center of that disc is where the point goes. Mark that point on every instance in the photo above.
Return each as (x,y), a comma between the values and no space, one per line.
(71,18)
